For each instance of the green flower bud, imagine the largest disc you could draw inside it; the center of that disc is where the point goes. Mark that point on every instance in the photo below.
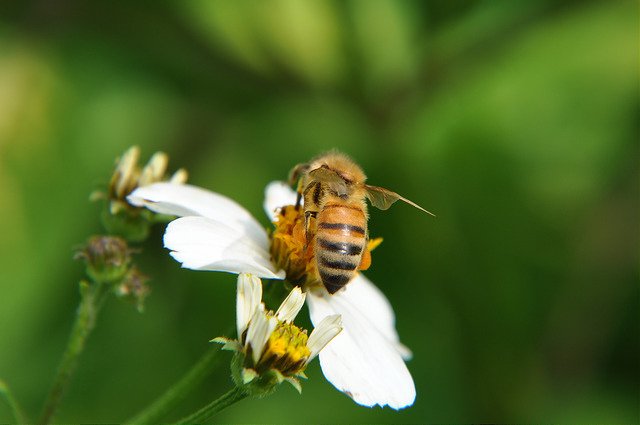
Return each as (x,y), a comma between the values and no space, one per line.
(133,288)
(107,258)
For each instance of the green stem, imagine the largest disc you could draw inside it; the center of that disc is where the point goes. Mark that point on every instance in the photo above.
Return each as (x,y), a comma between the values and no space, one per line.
(92,297)
(207,412)
(18,413)
(174,395)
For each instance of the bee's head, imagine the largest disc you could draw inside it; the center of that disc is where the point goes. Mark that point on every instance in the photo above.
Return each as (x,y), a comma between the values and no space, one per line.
(342,165)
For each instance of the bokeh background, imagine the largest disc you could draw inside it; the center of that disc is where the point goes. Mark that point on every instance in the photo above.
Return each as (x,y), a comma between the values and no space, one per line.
(515,122)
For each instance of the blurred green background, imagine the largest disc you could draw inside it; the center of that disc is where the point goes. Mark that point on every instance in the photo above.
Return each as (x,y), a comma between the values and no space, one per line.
(515,122)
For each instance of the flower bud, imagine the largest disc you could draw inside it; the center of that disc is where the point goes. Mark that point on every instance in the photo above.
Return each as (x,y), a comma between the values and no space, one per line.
(118,216)
(107,258)
(134,288)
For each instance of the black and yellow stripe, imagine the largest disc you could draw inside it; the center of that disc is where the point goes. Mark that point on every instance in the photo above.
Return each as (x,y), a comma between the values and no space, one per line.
(340,241)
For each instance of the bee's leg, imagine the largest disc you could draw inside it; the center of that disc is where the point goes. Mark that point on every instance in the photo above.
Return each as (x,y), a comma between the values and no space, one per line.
(308,215)
(298,200)
(300,193)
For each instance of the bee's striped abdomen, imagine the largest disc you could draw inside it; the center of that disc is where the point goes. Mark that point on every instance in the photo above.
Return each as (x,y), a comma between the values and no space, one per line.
(341,237)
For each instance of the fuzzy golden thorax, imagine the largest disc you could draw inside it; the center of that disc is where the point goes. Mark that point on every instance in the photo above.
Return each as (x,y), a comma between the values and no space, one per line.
(344,166)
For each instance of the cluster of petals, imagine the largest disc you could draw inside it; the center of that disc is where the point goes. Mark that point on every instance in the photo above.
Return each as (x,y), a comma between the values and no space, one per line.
(256,325)
(213,232)
(128,174)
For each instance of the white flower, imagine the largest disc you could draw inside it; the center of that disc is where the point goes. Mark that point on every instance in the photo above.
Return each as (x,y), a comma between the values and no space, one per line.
(275,343)
(365,361)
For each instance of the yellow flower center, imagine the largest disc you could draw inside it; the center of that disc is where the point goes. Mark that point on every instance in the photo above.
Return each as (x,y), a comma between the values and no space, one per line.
(286,350)
(289,248)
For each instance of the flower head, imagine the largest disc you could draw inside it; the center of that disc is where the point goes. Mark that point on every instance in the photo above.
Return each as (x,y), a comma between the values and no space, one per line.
(120,217)
(108,258)
(134,288)
(366,360)
(128,176)
(270,348)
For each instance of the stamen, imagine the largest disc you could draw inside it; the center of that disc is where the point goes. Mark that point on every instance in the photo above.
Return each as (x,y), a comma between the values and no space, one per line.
(289,248)
(286,350)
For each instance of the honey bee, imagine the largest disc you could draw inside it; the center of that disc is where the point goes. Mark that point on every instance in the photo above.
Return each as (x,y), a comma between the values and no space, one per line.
(333,189)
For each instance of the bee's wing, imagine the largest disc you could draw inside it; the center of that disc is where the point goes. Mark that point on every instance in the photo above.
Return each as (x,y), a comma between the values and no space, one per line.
(383,198)
(330,177)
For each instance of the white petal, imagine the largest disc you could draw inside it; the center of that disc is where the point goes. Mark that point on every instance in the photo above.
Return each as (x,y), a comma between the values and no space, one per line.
(361,361)
(186,200)
(260,329)
(247,301)
(200,243)
(179,177)
(291,305)
(277,194)
(376,307)
(126,168)
(154,170)
(323,334)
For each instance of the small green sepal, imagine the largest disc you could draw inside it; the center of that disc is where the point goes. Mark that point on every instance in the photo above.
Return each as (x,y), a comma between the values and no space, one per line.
(228,344)
(253,382)
(295,383)
(248,375)
(120,218)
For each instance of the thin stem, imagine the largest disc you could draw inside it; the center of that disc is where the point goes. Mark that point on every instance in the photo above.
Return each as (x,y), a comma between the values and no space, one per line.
(207,412)
(92,296)
(18,413)
(174,395)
